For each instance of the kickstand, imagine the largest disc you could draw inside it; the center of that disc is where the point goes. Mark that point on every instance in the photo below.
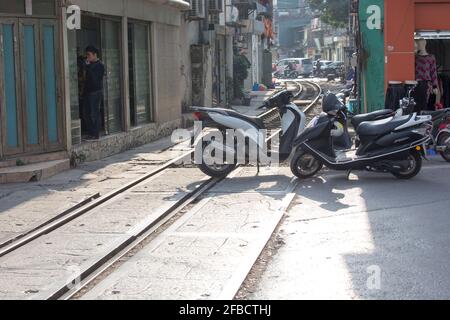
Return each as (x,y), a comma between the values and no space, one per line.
(349,172)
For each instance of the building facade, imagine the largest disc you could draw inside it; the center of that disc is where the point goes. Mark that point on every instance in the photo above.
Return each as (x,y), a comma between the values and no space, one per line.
(208,52)
(42,86)
(214,32)
(387,33)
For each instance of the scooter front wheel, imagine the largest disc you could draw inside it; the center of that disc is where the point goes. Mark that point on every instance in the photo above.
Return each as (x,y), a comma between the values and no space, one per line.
(444,140)
(413,169)
(304,165)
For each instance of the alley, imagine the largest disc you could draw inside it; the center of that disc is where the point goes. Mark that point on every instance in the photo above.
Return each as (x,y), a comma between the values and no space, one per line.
(335,242)
(224,150)
(332,239)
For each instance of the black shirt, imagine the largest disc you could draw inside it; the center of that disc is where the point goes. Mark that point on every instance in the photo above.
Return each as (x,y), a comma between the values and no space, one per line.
(94,77)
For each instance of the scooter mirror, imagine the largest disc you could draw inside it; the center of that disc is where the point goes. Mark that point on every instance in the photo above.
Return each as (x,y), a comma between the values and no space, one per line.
(331,103)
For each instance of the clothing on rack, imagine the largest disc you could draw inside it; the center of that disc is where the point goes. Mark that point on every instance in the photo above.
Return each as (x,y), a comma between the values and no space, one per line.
(394,93)
(421,95)
(444,83)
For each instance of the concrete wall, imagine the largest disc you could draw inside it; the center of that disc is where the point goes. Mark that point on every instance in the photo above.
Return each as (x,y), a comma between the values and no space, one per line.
(167,68)
(137,9)
(117,143)
(189,35)
(372,60)
(254,55)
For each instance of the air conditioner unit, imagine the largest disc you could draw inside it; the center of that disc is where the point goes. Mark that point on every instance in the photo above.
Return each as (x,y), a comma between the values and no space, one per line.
(214,18)
(215,5)
(197,11)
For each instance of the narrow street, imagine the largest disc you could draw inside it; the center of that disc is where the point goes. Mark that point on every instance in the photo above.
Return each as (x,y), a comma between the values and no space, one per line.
(230,154)
(370,237)
(266,236)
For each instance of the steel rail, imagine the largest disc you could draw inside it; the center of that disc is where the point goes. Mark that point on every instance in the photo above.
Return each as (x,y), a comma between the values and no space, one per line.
(89,204)
(81,209)
(136,237)
(75,285)
(88,276)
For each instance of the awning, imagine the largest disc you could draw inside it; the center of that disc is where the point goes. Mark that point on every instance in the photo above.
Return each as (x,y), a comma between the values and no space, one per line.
(432,35)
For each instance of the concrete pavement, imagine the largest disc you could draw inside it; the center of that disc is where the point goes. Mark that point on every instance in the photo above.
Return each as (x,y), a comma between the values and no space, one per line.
(373,237)
(24,206)
(208,252)
(370,237)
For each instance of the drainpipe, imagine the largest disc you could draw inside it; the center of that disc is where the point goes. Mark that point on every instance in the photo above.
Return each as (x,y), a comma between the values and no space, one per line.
(205,25)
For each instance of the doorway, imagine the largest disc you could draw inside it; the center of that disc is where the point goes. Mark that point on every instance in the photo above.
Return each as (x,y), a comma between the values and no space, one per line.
(30,106)
(139,66)
(104,34)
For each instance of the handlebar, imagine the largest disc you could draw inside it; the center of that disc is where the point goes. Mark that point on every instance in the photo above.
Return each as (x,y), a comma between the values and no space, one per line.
(278,100)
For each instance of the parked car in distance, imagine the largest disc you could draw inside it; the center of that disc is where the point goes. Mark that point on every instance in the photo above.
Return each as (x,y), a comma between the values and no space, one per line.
(304,66)
(335,68)
(323,64)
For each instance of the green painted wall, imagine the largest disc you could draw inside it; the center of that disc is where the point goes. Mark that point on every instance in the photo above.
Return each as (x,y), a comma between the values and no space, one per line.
(372,75)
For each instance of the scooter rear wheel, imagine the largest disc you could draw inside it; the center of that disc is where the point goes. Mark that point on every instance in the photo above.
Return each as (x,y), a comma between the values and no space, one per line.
(444,140)
(415,165)
(304,165)
(214,170)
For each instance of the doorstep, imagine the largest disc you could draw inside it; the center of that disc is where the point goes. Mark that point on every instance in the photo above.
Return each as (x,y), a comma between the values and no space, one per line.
(33,172)
(31,159)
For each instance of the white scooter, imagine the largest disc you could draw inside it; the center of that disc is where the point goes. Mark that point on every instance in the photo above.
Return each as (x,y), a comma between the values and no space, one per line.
(241,139)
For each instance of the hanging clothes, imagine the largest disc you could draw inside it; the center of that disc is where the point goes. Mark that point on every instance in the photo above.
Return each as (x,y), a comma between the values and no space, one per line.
(421,95)
(395,93)
(445,89)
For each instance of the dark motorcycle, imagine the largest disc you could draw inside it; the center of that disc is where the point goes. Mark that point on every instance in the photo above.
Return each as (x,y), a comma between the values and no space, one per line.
(291,74)
(394,145)
(440,141)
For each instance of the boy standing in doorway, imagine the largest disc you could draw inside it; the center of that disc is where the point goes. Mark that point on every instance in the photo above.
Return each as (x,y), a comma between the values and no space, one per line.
(93,91)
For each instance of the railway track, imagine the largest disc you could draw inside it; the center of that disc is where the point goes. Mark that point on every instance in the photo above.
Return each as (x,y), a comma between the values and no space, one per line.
(271,116)
(309,96)
(134,238)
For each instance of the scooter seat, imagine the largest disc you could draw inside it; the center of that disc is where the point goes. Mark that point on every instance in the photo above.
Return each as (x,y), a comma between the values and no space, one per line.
(379,127)
(256,121)
(376,115)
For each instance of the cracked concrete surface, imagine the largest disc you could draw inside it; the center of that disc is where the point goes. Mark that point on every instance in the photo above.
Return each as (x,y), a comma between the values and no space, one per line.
(207,253)
(26,206)
(37,269)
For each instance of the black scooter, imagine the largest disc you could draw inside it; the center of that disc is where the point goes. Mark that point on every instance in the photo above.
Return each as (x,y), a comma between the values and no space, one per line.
(394,145)
(440,137)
